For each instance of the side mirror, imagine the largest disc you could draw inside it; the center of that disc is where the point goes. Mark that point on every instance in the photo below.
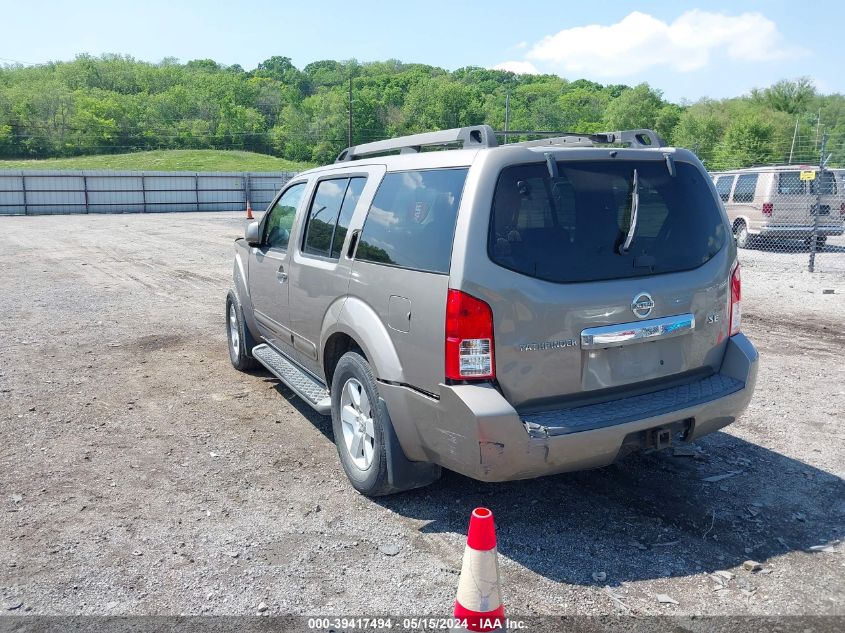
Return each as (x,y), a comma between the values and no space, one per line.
(252,234)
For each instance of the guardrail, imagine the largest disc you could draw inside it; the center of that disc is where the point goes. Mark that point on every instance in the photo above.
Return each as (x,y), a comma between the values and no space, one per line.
(62,192)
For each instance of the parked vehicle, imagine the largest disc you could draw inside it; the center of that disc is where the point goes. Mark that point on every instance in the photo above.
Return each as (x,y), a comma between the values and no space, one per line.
(775,202)
(503,311)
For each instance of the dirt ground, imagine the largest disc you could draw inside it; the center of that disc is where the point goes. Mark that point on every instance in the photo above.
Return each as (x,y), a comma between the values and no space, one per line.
(142,474)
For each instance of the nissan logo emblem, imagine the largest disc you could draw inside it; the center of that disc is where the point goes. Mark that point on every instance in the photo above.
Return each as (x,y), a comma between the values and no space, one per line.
(642,305)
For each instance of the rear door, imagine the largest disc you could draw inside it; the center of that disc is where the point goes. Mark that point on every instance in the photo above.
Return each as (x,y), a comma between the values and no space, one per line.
(268,268)
(319,268)
(831,201)
(792,204)
(566,298)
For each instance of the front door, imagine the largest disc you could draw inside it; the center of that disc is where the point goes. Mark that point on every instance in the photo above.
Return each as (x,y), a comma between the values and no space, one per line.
(268,269)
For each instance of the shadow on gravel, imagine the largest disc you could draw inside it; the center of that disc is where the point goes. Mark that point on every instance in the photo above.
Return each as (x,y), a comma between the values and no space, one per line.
(649,516)
(321,422)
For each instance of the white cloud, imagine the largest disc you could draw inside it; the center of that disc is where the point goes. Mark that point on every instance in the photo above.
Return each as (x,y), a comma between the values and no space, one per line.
(640,41)
(520,68)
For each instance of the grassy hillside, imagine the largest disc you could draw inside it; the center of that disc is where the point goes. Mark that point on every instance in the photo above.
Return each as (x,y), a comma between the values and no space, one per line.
(165,160)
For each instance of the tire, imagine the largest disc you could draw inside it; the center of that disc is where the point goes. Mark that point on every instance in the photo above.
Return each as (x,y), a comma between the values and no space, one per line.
(743,237)
(240,341)
(359,420)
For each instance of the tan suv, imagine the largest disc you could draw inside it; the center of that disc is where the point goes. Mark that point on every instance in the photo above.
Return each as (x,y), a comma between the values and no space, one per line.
(503,311)
(775,202)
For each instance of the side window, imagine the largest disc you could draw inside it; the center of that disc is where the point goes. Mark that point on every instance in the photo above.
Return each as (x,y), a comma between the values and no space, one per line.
(329,215)
(723,186)
(350,201)
(790,183)
(746,184)
(280,222)
(322,216)
(411,222)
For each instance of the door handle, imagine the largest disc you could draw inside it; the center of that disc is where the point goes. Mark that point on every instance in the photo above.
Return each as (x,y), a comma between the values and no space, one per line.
(281,275)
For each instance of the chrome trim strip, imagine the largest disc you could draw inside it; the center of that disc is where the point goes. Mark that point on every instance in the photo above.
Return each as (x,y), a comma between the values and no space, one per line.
(626,333)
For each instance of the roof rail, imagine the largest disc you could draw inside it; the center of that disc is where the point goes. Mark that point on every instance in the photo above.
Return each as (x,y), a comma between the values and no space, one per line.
(474,136)
(640,139)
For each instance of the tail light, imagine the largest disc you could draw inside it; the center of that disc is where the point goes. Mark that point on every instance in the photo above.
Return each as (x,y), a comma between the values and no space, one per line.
(469,338)
(736,302)
(842,209)
(767,209)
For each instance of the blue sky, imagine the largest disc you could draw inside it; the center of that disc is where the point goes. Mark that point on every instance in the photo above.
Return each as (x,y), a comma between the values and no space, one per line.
(687,49)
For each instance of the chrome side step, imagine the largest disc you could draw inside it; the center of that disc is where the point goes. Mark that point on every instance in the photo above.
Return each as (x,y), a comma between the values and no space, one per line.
(301,382)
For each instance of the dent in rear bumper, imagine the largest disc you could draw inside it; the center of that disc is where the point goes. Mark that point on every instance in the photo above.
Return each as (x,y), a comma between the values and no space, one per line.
(473,430)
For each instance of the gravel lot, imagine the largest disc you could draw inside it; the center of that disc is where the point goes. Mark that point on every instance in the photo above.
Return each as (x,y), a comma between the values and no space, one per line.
(141,474)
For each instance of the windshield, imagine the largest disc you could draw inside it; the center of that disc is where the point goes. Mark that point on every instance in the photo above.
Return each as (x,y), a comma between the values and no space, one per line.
(570,228)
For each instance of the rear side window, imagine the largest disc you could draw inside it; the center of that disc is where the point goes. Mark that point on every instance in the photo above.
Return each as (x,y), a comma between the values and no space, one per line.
(570,228)
(350,201)
(790,184)
(411,222)
(723,186)
(746,185)
(334,200)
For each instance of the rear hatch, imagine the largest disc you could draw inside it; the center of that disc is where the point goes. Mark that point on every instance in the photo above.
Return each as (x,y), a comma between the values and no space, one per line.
(580,318)
(831,200)
(795,200)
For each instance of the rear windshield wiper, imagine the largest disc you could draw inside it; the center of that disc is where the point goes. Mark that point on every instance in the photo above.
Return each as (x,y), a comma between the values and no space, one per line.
(635,205)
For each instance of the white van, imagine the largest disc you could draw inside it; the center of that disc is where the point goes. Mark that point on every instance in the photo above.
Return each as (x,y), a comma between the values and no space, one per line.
(778,202)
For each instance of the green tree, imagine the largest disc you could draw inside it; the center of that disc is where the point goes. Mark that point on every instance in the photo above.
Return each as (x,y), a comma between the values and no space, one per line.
(792,97)
(748,140)
(637,107)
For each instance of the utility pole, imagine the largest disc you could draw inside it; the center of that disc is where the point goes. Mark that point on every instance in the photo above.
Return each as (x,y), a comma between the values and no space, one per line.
(349,131)
(794,136)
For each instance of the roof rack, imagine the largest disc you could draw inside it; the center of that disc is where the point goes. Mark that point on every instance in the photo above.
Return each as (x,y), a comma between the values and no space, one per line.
(475,136)
(640,138)
(483,136)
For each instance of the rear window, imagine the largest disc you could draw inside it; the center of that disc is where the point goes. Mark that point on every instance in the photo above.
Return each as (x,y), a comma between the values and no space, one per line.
(411,222)
(826,182)
(570,228)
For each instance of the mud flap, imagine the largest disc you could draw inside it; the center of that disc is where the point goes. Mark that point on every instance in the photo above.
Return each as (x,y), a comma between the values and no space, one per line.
(402,473)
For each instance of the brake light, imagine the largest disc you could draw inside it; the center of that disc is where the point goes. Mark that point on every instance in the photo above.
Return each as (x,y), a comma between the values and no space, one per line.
(736,302)
(469,338)
(767,209)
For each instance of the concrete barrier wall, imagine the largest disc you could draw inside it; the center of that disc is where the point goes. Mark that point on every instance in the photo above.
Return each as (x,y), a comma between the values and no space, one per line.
(59,192)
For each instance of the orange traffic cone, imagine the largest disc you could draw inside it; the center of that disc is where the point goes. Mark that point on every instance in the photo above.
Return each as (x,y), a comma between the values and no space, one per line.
(249,215)
(479,601)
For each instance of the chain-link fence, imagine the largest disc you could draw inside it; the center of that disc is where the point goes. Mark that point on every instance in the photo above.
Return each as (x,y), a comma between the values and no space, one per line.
(787,217)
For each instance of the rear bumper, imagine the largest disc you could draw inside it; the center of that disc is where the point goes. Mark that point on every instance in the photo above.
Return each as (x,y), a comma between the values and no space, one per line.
(473,430)
(801,231)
